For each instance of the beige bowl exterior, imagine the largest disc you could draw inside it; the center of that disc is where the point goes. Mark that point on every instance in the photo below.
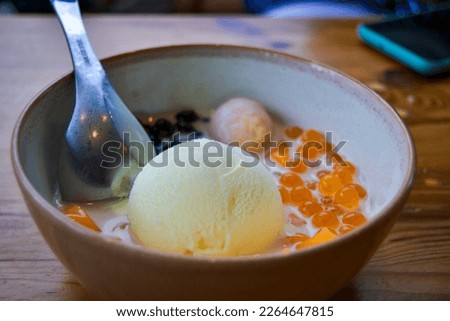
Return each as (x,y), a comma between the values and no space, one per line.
(202,75)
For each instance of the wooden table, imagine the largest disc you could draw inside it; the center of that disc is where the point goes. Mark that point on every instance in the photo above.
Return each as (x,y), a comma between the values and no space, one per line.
(413,263)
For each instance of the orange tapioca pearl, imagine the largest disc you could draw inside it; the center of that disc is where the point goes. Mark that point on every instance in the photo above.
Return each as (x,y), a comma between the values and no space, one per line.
(329,184)
(291,180)
(326,200)
(310,208)
(344,229)
(293,131)
(325,219)
(348,197)
(336,210)
(354,219)
(313,135)
(361,191)
(297,166)
(301,194)
(278,156)
(344,174)
(285,195)
(322,173)
(77,214)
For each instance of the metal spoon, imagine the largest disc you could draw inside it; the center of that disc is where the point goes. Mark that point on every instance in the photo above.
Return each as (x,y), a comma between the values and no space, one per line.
(105,146)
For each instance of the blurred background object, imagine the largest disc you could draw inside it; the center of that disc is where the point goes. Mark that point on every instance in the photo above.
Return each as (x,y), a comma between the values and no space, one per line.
(334,8)
(272,8)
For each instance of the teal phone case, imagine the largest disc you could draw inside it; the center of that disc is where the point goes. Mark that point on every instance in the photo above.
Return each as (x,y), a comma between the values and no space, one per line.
(403,55)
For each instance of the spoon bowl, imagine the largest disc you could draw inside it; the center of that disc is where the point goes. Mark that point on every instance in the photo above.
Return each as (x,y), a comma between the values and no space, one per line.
(97,160)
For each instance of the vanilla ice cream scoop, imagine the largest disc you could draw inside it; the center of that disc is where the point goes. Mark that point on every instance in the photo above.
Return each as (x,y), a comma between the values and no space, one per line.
(240,120)
(207,198)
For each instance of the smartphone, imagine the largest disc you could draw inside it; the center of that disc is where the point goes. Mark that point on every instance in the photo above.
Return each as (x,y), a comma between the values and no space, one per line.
(421,42)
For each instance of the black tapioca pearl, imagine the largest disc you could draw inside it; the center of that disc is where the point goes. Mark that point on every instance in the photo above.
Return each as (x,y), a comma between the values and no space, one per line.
(186,116)
(164,127)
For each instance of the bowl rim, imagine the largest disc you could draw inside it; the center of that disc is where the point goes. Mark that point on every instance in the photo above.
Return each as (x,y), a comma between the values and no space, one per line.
(91,236)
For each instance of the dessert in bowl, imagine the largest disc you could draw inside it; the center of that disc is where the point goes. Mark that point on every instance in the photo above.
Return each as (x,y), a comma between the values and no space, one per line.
(299,95)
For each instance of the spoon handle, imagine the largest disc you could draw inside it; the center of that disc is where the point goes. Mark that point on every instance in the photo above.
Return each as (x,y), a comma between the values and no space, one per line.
(85,62)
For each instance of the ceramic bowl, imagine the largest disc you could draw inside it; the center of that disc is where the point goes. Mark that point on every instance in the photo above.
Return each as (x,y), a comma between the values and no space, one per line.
(294,90)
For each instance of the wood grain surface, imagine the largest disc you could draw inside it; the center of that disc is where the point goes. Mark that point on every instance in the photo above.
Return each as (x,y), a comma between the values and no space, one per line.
(413,263)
